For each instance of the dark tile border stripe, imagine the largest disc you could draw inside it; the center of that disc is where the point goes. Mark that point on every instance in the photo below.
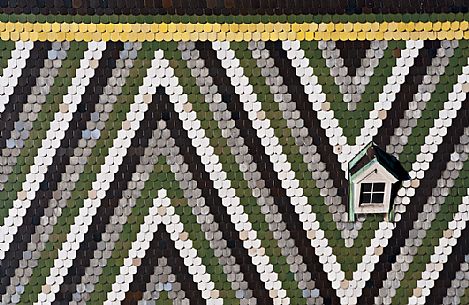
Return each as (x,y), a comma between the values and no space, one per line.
(352,52)
(265,167)
(55,170)
(317,133)
(453,264)
(26,81)
(406,94)
(230,7)
(162,246)
(422,193)
(213,201)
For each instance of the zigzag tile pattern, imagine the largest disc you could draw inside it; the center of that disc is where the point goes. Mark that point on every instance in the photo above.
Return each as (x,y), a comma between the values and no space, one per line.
(215,172)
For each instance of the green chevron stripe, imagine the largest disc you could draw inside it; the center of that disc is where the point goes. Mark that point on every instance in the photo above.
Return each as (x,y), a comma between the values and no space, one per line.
(435,104)
(40,127)
(6,46)
(94,162)
(351,121)
(434,233)
(229,165)
(347,257)
(162,177)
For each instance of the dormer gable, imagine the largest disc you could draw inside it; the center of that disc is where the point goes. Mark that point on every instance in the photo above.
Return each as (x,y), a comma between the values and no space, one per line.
(374,178)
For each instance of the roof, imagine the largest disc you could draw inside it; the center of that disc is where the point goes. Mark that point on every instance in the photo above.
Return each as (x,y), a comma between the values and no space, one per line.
(389,162)
(197,151)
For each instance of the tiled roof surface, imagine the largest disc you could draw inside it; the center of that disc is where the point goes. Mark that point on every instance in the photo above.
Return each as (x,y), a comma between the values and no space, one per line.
(200,156)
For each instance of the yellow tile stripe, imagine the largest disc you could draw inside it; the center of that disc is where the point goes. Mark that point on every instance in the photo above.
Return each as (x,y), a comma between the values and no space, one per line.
(233,31)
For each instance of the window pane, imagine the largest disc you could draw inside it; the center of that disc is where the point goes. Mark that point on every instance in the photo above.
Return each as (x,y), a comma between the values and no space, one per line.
(378,198)
(366,187)
(365,198)
(378,187)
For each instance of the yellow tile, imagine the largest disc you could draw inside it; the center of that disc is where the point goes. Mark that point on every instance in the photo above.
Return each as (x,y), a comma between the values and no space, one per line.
(428,26)
(339,27)
(15,36)
(243,28)
(101,27)
(70,36)
(181,27)
(445,26)
(110,28)
(274,36)
(221,36)
(92,28)
(145,28)
(230,36)
(163,27)
(190,27)
(464,25)
(225,27)
(87,36)
(212,36)
(300,35)
(455,25)
(82,27)
(173,28)
(28,27)
(234,27)
(127,27)
(19,27)
(269,27)
(208,27)
(24,36)
(106,36)
(186,36)
(309,36)
(284,35)
(313,27)
(41,37)
(239,36)
(177,36)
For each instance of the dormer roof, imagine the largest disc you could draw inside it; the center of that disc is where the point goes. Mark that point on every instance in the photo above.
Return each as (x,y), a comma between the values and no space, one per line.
(373,152)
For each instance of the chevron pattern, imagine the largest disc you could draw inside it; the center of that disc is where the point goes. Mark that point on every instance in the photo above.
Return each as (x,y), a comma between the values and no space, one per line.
(216,172)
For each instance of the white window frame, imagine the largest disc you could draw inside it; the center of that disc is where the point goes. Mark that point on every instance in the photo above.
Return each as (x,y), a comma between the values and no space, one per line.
(372,192)
(372,173)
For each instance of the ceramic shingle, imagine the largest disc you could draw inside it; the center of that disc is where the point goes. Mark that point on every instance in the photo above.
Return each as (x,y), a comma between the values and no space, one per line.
(197,152)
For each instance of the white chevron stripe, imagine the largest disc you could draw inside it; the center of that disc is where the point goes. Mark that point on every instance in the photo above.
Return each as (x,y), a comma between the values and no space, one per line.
(110,167)
(199,209)
(241,155)
(163,279)
(425,219)
(441,253)
(432,140)
(327,118)
(458,285)
(440,127)
(219,177)
(163,212)
(33,103)
(308,150)
(424,93)
(283,168)
(352,87)
(13,71)
(49,146)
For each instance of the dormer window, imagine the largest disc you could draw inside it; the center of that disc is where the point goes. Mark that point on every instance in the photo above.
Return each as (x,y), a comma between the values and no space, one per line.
(374,178)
